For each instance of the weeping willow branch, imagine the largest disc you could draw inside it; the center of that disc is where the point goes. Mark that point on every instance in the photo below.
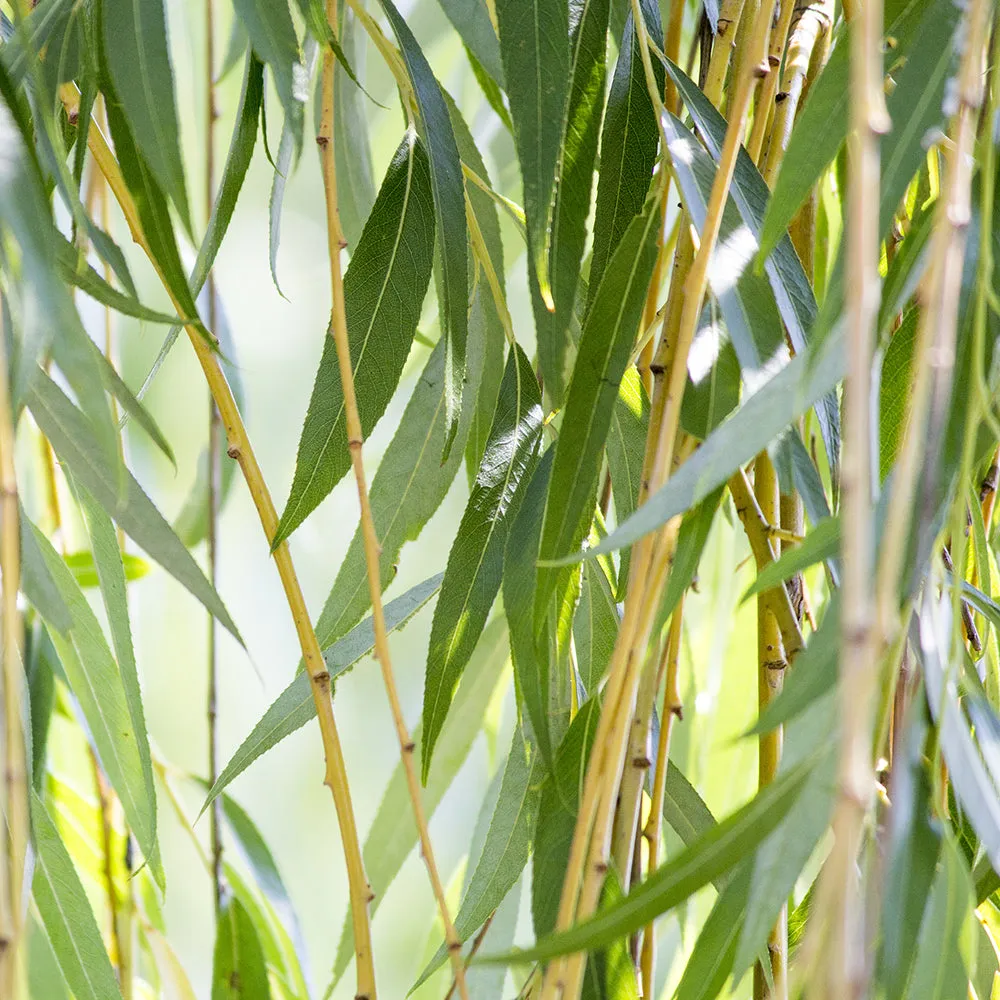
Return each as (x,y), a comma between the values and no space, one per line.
(844,972)
(240,449)
(373,549)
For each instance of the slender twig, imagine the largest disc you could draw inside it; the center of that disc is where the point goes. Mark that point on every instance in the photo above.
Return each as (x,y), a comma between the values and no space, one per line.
(843,971)
(240,449)
(214,475)
(373,550)
(771,665)
(13,761)
(764,110)
(672,711)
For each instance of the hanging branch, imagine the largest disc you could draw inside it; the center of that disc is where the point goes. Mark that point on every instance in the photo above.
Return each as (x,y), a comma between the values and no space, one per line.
(240,449)
(339,332)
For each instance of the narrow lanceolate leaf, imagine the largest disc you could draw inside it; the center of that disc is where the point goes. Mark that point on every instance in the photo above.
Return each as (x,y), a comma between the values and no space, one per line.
(626,447)
(238,968)
(712,854)
(393,834)
(605,345)
(384,288)
(99,688)
(595,625)
(533,672)
(111,575)
(410,482)
(628,145)
(272,35)
(449,207)
(66,914)
(137,51)
(580,125)
(62,423)
(475,563)
(535,47)
(472,22)
(506,849)
(295,706)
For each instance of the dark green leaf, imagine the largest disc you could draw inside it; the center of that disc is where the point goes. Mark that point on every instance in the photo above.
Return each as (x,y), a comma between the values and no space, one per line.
(238,969)
(61,423)
(472,22)
(295,706)
(66,914)
(608,335)
(449,207)
(595,625)
(572,194)
(535,48)
(138,58)
(384,288)
(100,689)
(475,563)
(628,146)
(712,854)
(272,35)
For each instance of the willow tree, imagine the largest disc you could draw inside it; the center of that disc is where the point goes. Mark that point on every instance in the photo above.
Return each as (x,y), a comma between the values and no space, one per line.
(758,244)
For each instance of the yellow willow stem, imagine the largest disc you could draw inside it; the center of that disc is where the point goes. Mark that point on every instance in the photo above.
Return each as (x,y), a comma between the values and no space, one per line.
(764,109)
(810,21)
(15,832)
(672,710)
(727,28)
(988,490)
(771,666)
(843,970)
(240,449)
(373,550)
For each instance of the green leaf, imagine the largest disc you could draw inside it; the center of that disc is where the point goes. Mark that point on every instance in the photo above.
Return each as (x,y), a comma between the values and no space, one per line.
(626,448)
(608,334)
(580,124)
(819,132)
(712,854)
(595,625)
(66,914)
(476,561)
(283,165)
(611,971)
(472,22)
(111,575)
(138,58)
(894,391)
(940,970)
(295,706)
(272,35)
(238,969)
(745,434)
(61,423)
(535,48)
(557,817)
(820,544)
(449,207)
(629,142)
(506,849)
(711,960)
(393,834)
(533,671)
(410,482)
(914,848)
(384,288)
(37,583)
(100,688)
(683,808)
(74,269)
(351,145)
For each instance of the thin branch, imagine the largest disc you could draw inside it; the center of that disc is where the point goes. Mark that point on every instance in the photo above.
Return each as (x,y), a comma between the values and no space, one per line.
(240,449)
(373,550)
